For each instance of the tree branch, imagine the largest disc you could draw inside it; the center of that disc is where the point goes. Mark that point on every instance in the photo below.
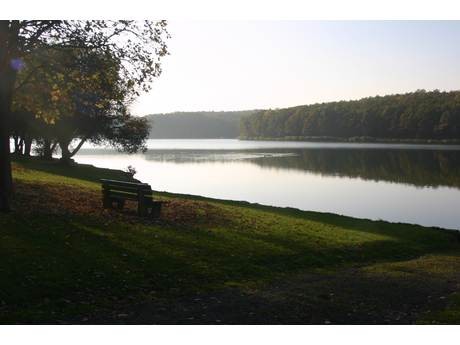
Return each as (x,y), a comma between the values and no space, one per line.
(80,144)
(29,76)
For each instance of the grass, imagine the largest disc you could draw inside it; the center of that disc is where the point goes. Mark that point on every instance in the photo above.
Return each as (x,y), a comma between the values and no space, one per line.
(66,260)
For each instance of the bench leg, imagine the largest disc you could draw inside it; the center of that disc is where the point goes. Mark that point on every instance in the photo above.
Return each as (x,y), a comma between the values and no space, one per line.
(155,210)
(120,204)
(106,203)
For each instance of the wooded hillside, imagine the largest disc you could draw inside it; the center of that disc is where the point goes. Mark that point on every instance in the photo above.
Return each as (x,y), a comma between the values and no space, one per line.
(416,115)
(190,125)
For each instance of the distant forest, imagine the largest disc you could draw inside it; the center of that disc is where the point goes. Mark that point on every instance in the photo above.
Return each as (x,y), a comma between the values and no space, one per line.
(194,125)
(419,115)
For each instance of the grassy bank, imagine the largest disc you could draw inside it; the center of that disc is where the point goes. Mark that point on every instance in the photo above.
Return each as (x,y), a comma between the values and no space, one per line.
(66,260)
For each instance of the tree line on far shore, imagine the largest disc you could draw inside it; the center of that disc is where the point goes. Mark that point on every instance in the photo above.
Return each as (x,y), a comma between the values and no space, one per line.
(197,124)
(419,115)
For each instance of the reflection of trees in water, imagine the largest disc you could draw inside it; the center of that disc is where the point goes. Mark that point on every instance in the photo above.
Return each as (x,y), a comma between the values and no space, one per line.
(206,156)
(417,167)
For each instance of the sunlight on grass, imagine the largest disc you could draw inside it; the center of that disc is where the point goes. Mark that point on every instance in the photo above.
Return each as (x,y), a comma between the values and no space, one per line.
(62,246)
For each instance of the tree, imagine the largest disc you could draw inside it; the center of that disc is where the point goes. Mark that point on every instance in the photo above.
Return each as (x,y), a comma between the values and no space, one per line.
(139,45)
(77,101)
(22,123)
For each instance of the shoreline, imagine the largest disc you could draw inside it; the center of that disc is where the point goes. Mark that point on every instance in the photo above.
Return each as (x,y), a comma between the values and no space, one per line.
(288,210)
(211,261)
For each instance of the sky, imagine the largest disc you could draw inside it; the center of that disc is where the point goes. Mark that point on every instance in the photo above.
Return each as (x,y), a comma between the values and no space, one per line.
(239,65)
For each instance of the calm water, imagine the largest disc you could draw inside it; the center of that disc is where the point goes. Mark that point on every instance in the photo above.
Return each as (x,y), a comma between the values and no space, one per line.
(407,183)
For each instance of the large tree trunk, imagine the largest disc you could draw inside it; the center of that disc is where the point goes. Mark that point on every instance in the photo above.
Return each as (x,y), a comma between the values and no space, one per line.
(66,154)
(6,180)
(8,47)
(16,140)
(48,148)
(27,146)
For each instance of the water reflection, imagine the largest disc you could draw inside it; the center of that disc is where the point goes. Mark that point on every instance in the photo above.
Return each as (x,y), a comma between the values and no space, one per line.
(419,168)
(407,183)
(422,168)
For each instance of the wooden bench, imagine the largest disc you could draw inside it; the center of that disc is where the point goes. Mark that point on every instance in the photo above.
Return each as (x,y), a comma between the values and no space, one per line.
(119,191)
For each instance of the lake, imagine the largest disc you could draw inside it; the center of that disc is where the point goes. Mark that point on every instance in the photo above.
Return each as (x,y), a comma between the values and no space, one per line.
(395,182)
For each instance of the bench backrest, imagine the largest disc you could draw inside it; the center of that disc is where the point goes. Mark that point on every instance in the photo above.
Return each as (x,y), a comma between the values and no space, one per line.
(127,190)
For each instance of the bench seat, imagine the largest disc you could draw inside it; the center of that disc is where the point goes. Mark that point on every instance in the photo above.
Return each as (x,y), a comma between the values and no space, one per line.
(118,192)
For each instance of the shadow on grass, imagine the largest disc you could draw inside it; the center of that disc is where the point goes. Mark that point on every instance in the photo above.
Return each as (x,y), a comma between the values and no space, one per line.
(84,172)
(93,264)
(66,266)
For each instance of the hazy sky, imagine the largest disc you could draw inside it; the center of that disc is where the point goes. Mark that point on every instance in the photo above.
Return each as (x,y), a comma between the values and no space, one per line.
(235,65)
